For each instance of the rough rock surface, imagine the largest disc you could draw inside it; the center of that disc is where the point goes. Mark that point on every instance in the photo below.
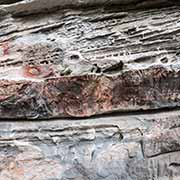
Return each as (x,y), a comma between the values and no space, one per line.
(119,147)
(82,63)
(87,95)
(100,79)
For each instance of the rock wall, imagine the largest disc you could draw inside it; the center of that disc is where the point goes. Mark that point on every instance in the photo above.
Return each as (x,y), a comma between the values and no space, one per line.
(89,90)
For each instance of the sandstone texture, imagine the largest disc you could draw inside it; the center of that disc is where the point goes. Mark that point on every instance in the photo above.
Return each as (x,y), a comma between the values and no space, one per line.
(89,90)
(82,63)
(120,147)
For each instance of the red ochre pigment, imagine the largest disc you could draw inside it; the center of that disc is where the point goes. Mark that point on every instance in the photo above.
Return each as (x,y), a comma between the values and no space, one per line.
(37,72)
(5,47)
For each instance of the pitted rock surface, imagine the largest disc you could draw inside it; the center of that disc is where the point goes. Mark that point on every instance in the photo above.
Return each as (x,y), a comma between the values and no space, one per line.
(95,61)
(89,90)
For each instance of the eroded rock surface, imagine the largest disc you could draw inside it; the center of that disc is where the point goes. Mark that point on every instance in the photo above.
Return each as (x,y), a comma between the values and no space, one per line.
(111,68)
(82,63)
(128,147)
(82,96)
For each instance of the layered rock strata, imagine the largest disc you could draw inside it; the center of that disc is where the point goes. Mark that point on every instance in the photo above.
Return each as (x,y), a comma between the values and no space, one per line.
(89,90)
(82,63)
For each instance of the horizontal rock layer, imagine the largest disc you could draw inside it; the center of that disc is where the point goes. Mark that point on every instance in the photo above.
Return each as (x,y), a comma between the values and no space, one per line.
(24,7)
(128,147)
(81,96)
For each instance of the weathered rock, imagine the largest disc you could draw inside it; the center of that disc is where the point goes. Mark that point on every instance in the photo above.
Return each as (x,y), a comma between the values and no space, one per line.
(77,59)
(82,96)
(24,7)
(83,64)
(128,147)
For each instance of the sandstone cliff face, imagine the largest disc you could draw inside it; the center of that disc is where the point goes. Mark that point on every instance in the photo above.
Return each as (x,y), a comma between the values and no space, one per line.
(89,90)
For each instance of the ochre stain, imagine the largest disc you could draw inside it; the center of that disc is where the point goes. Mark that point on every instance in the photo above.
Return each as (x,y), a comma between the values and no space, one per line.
(5,47)
(37,72)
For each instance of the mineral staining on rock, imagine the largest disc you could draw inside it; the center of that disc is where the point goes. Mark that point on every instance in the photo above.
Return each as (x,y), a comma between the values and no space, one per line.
(76,62)
(82,63)
(87,95)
